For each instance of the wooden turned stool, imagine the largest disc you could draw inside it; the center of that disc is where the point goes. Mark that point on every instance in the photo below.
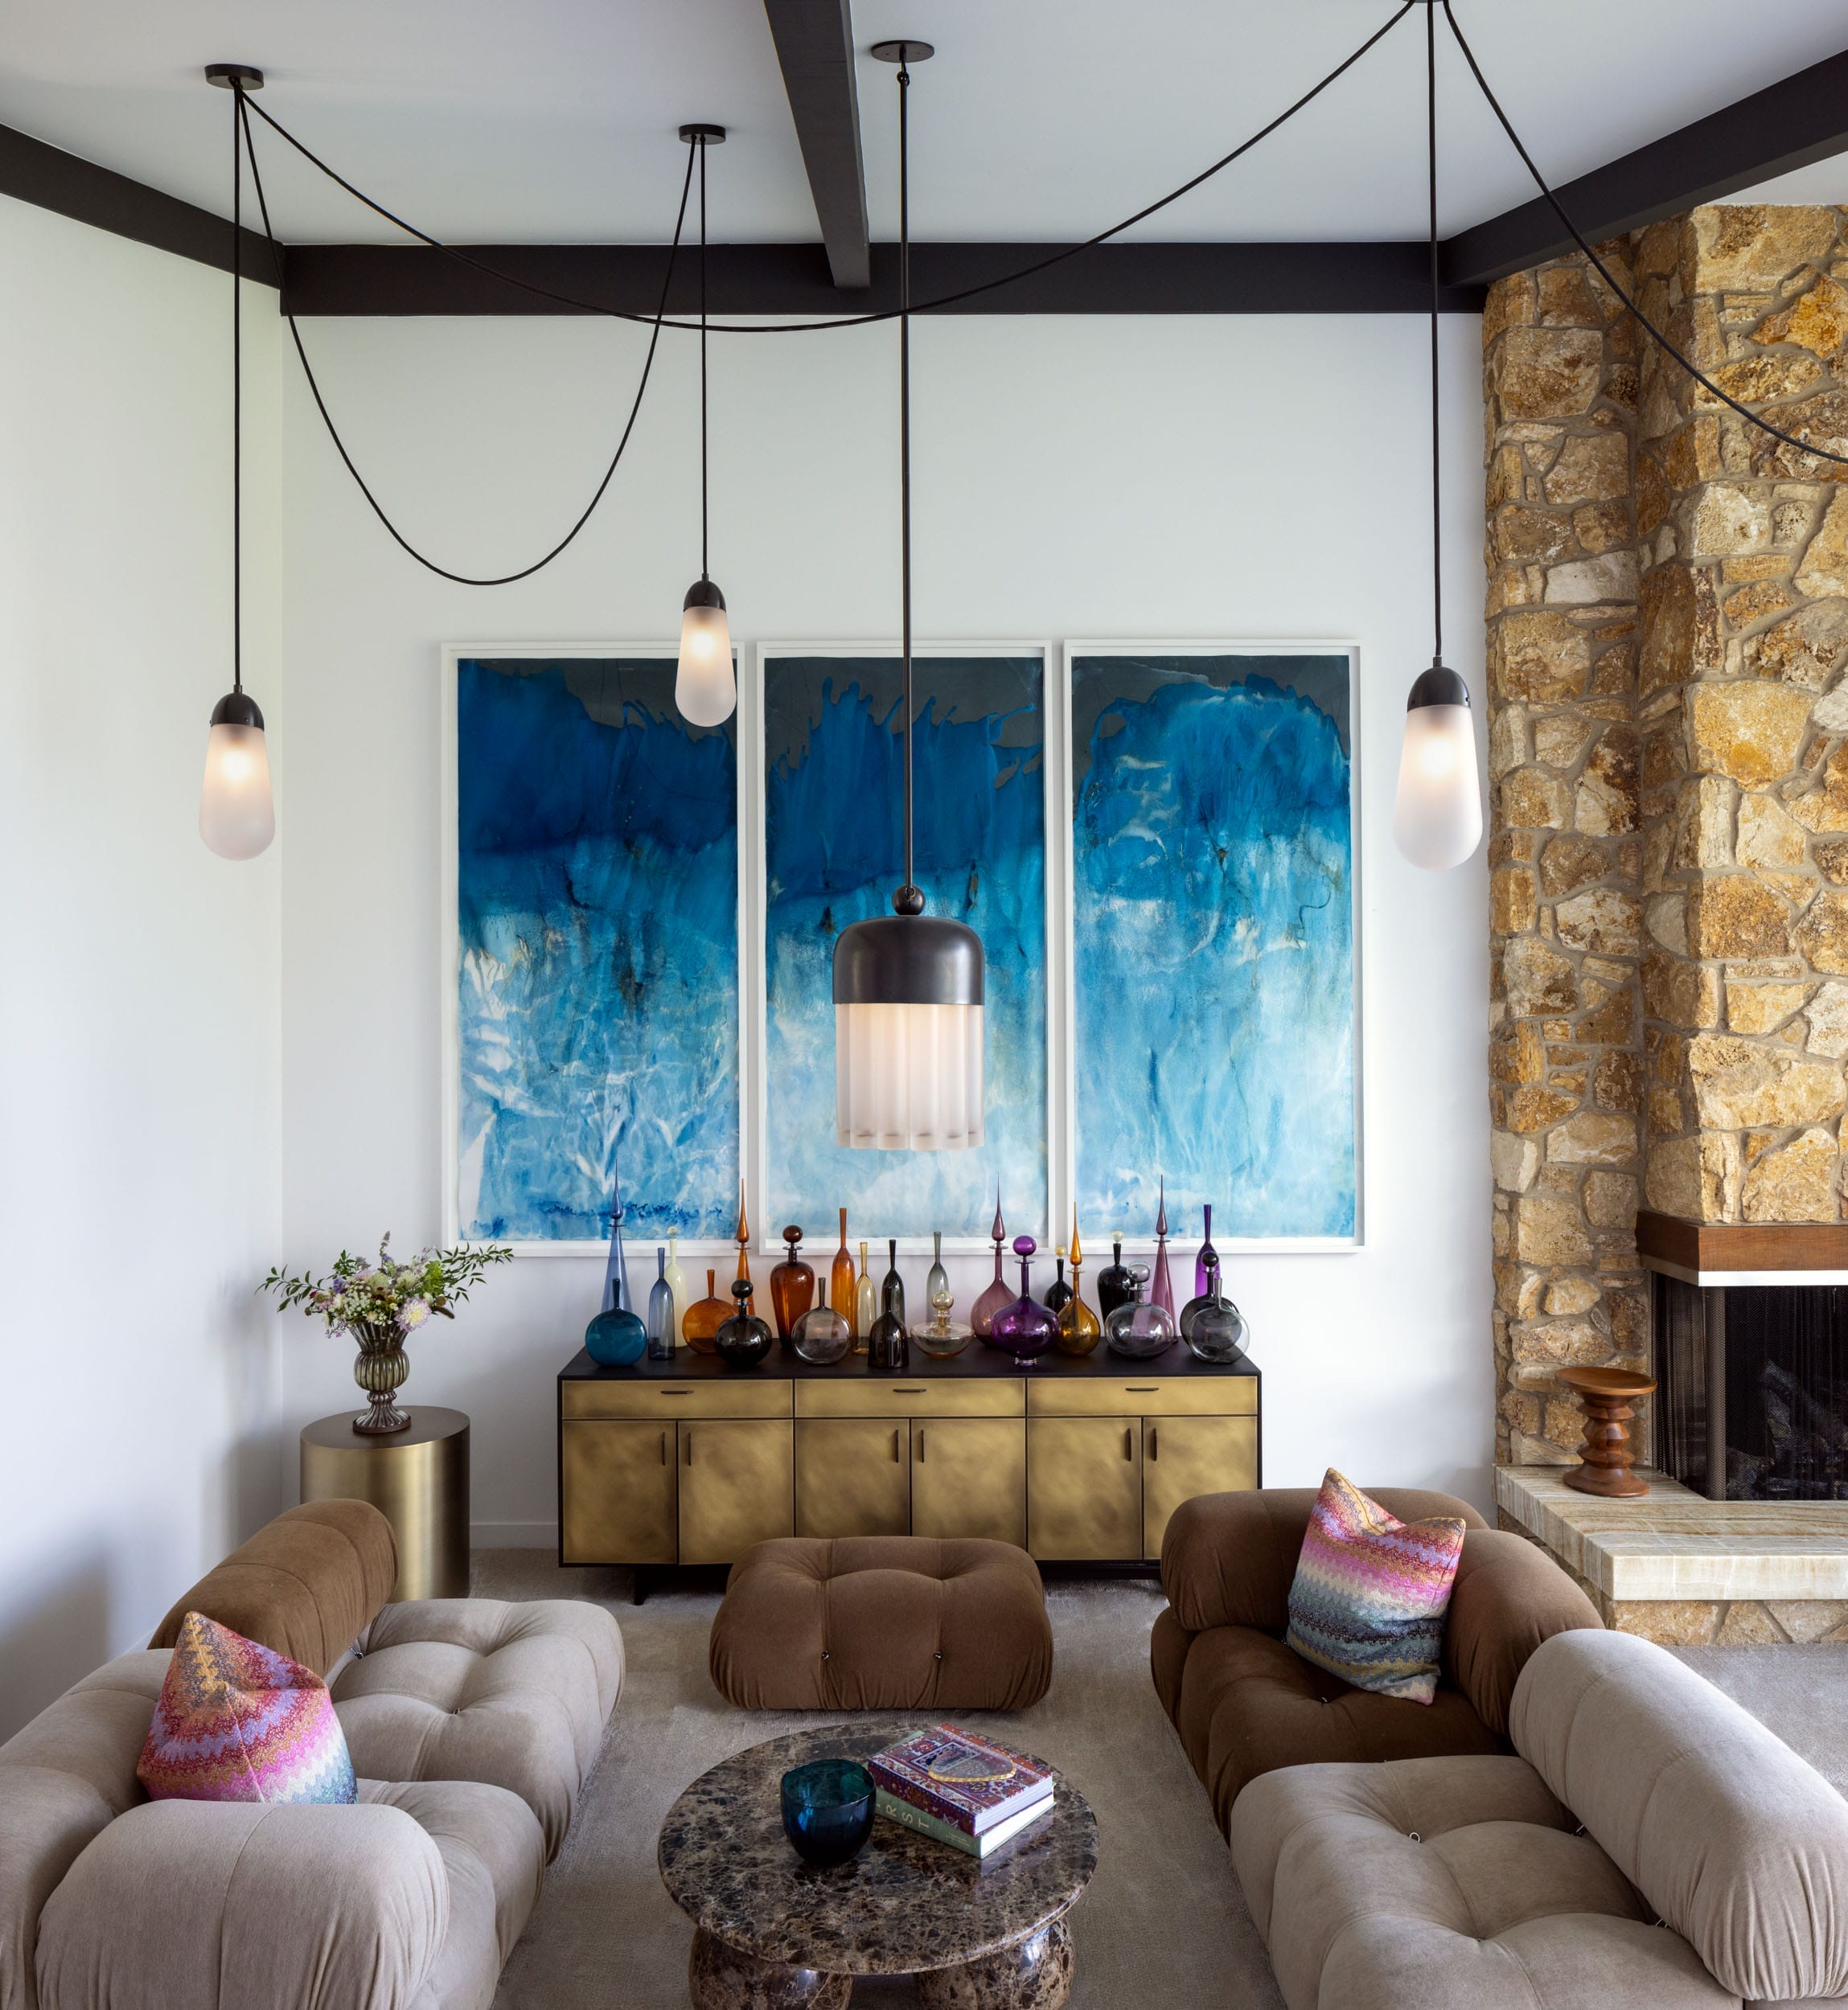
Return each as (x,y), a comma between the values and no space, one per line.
(1608,1394)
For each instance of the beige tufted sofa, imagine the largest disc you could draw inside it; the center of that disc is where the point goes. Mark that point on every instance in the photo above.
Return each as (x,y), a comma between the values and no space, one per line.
(1653,1845)
(472,1725)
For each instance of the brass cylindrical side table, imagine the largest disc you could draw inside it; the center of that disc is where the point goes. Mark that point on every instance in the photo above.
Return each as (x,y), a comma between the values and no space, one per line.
(417,1478)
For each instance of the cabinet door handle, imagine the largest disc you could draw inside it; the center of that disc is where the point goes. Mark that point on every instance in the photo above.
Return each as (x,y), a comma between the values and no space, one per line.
(895,1459)
(1128,1442)
(673,1392)
(907,1392)
(920,1444)
(1138,1389)
(663,1448)
(689,1448)
(1154,1442)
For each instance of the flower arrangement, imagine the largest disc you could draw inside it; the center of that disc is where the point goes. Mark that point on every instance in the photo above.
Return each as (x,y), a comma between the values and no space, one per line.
(355,1294)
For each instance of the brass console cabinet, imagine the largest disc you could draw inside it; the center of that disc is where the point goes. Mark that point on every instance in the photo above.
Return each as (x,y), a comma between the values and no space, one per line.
(692,1462)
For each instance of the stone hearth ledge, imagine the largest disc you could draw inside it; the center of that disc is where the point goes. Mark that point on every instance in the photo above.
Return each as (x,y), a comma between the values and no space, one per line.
(1675,1566)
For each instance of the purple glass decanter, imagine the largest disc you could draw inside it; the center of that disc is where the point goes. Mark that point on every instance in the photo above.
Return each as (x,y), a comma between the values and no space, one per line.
(994,1297)
(1025,1328)
(1161,1293)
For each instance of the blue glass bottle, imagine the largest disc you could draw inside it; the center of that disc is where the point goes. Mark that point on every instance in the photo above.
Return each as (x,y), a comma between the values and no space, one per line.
(615,1337)
(661,1312)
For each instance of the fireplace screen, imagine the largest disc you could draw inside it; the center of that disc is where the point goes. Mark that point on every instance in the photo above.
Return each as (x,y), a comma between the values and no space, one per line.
(1781,1356)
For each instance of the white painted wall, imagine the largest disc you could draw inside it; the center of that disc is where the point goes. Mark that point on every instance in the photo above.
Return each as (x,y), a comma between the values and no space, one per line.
(140,1193)
(1193,478)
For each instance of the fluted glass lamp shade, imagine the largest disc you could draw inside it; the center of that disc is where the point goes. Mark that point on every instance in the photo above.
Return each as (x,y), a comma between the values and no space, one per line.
(1437,817)
(705,691)
(236,815)
(908,1035)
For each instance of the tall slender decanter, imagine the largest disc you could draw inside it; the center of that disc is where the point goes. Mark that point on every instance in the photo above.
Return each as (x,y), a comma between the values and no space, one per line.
(1079,1328)
(840,1278)
(1162,1291)
(937,1278)
(661,1311)
(1207,1258)
(677,1284)
(866,1305)
(982,1313)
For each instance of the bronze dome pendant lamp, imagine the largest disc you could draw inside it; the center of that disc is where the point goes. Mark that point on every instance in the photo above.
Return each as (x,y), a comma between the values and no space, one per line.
(907,986)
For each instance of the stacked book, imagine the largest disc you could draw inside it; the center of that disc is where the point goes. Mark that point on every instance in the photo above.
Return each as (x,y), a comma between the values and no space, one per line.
(959,1789)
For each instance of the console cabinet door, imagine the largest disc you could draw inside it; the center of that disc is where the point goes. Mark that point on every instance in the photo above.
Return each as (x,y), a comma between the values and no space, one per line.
(852,1478)
(737,1488)
(1084,1487)
(616,1492)
(1183,1456)
(969,1478)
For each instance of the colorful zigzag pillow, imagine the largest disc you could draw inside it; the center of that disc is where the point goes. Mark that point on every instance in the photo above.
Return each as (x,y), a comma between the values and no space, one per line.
(1370,1592)
(239,1722)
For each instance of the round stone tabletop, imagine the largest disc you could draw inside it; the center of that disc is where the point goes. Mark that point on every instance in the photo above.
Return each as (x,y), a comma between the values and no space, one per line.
(905,1904)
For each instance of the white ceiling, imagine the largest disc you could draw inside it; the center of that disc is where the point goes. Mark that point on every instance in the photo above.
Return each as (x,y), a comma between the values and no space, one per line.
(553,121)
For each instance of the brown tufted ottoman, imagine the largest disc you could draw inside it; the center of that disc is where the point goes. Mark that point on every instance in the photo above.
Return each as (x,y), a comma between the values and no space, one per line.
(882,1622)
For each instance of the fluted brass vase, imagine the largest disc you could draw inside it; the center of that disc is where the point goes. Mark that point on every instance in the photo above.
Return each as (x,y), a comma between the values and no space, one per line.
(380,1371)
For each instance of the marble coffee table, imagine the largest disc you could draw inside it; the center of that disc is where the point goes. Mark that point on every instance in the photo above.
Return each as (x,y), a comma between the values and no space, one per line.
(774,1935)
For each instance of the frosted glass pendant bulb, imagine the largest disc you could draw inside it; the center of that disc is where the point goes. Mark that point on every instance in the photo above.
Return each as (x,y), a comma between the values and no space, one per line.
(705,691)
(237,813)
(1437,817)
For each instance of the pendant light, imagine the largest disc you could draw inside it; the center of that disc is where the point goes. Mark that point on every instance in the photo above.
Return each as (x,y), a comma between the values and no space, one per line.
(705,689)
(907,986)
(1437,817)
(236,814)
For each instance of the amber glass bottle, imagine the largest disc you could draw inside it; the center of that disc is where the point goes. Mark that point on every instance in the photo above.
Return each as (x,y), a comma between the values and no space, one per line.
(840,1278)
(705,1317)
(792,1285)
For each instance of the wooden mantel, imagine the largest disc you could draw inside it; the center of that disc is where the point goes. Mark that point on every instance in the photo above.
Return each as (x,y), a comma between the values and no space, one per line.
(1715,1252)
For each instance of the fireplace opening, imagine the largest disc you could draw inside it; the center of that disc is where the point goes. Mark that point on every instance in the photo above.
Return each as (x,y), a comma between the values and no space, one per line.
(1776,1358)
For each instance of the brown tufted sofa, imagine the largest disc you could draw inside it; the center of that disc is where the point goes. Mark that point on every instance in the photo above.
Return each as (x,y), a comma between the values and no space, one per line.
(1244,1704)
(882,1622)
(471,1725)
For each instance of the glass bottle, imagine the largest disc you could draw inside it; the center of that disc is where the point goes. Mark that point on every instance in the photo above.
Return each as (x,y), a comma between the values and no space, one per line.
(742,1235)
(1200,1301)
(1207,1260)
(840,1278)
(615,1337)
(744,1339)
(1079,1331)
(822,1336)
(1137,1328)
(939,1278)
(1218,1331)
(941,1336)
(661,1312)
(887,1347)
(866,1305)
(616,1270)
(705,1317)
(1163,1290)
(1113,1280)
(1060,1295)
(792,1285)
(1025,1328)
(677,1283)
(996,1295)
(891,1289)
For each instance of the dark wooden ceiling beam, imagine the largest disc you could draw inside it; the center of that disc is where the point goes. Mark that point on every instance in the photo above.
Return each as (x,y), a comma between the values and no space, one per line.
(50,179)
(795,280)
(815,46)
(1788,124)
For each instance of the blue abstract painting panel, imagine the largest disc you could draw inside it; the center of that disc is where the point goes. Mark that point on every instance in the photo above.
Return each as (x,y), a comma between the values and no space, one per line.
(597,971)
(1213,941)
(834,850)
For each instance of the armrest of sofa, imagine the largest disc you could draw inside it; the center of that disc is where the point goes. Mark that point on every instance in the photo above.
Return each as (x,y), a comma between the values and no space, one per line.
(223,1905)
(1508,1597)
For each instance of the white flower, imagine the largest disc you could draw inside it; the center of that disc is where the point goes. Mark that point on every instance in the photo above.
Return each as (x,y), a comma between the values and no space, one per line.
(412,1314)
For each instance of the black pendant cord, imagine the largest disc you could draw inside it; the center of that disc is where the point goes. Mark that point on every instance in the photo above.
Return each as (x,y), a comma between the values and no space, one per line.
(1604,272)
(908,899)
(843,321)
(236,388)
(705,571)
(1436,404)
(429,564)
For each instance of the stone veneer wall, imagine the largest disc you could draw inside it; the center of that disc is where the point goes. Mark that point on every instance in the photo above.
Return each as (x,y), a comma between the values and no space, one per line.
(1667,618)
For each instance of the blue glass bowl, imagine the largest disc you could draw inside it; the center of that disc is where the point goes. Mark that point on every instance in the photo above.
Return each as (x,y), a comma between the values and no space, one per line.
(828,1809)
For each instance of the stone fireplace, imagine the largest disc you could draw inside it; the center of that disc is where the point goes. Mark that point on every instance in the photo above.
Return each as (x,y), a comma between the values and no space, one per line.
(1667,639)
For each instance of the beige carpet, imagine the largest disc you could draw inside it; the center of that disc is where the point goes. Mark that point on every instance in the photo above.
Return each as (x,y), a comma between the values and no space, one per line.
(1162,1922)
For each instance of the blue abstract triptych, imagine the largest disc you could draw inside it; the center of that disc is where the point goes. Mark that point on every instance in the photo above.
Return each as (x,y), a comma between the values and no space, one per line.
(600,952)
